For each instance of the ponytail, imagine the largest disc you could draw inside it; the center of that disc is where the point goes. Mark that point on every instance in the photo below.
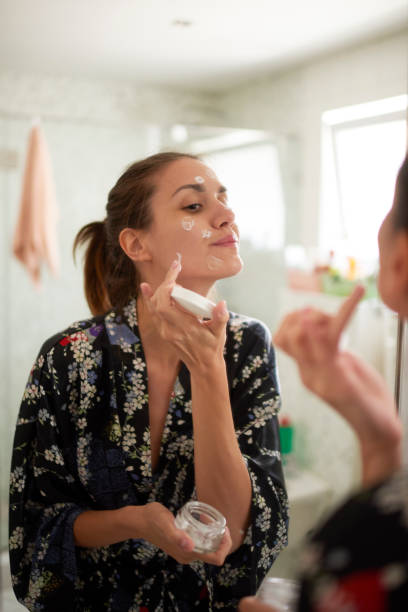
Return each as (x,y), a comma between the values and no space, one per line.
(95,266)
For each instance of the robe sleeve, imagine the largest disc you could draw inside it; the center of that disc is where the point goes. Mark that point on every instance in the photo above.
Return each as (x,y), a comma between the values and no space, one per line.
(45,498)
(255,402)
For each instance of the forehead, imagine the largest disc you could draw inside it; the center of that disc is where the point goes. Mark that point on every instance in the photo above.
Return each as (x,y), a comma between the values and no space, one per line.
(183,172)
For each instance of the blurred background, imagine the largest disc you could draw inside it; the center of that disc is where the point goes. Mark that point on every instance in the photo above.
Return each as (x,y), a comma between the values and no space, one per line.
(301,110)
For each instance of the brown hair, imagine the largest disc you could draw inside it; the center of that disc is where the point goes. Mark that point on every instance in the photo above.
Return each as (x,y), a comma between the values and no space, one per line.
(110,277)
(401,197)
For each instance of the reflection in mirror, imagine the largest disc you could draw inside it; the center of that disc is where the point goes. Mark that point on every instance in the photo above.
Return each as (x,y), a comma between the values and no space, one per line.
(361,150)
(309,153)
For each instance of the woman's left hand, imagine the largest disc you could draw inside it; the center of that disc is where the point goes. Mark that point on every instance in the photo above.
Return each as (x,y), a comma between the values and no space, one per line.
(198,342)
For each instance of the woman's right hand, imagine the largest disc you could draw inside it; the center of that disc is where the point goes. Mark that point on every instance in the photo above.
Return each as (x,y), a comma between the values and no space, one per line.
(158,527)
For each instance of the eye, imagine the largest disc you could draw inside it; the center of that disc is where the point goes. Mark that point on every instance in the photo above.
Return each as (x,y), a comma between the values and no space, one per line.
(193,207)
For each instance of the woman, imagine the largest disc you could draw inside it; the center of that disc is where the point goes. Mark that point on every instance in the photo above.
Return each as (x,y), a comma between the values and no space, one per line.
(129,415)
(358,560)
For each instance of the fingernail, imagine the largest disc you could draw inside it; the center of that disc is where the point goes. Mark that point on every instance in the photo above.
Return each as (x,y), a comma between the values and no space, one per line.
(224,309)
(143,289)
(175,264)
(185,544)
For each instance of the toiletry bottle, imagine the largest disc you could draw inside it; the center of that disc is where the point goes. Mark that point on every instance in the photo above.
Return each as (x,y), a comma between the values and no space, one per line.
(286,442)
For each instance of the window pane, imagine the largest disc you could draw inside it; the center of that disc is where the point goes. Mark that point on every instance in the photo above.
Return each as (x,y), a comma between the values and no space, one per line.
(251,175)
(368,159)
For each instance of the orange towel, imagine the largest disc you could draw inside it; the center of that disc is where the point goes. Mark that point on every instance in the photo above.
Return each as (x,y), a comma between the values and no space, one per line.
(35,236)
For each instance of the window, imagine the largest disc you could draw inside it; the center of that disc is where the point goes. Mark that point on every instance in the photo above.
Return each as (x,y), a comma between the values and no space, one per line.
(363,148)
(252,176)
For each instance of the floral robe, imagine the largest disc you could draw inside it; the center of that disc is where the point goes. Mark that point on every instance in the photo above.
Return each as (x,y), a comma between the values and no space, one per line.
(83,442)
(357,561)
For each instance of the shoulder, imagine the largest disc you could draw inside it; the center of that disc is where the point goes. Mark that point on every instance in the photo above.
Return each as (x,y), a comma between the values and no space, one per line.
(362,547)
(248,342)
(363,514)
(81,333)
(248,329)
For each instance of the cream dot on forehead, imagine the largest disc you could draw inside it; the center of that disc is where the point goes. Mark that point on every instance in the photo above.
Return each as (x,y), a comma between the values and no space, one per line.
(199,179)
(187,223)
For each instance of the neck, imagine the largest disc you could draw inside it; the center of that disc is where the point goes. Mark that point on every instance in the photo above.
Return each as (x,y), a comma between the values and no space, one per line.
(203,287)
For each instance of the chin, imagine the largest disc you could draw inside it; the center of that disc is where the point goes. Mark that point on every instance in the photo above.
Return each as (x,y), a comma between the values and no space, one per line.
(232,269)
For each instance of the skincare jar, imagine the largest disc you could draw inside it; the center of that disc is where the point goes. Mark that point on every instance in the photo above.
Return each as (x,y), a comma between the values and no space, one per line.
(280,593)
(203,523)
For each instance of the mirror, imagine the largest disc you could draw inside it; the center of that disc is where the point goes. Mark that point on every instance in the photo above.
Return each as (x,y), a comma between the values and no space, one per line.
(280,271)
(293,123)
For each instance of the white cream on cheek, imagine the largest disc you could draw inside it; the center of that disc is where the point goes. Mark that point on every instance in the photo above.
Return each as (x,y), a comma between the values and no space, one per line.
(187,223)
(206,233)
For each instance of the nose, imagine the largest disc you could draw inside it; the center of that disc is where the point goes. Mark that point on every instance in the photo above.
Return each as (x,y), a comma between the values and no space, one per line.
(223,215)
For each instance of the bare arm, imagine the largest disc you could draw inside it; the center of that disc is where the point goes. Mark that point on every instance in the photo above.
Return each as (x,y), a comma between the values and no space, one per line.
(221,475)
(152,522)
(94,528)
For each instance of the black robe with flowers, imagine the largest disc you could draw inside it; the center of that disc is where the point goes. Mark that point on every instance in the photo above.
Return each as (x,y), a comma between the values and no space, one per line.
(83,442)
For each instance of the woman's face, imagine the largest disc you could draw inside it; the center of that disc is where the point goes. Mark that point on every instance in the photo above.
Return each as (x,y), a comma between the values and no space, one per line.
(393,272)
(191,216)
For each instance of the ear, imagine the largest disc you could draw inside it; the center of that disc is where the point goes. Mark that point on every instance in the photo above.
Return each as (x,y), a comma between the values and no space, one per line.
(133,244)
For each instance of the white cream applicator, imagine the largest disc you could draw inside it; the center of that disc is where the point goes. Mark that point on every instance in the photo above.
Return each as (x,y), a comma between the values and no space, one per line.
(193,302)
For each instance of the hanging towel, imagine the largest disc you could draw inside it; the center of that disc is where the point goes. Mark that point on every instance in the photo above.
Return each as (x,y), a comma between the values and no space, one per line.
(35,236)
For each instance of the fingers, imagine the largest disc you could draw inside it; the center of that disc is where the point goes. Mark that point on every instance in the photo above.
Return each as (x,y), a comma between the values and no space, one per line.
(146,290)
(219,318)
(184,541)
(218,557)
(281,336)
(172,273)
(345,312)
(161,298)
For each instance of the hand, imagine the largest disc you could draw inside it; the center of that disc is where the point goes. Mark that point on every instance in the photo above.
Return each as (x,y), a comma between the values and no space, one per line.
(252,604)
(347,383)
(197,342)
(160,530)
(312,338)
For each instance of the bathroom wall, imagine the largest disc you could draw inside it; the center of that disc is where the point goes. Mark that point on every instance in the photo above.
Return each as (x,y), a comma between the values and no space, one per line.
(289,106)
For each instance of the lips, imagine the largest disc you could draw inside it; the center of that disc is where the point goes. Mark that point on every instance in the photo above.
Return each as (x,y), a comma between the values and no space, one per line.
(229,240)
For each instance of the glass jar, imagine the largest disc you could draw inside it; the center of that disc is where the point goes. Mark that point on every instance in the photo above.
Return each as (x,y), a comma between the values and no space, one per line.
(203,523)
(281,593)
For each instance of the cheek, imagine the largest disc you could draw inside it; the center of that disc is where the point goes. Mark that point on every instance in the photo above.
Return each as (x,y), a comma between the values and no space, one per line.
(190,235)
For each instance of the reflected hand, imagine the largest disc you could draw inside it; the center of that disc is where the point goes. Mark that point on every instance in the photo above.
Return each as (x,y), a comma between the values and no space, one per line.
(312,337)
(351,386)
(159,529)
(252,604)
(196,341)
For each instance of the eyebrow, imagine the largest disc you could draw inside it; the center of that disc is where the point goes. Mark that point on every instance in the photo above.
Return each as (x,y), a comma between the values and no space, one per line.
(198,187)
